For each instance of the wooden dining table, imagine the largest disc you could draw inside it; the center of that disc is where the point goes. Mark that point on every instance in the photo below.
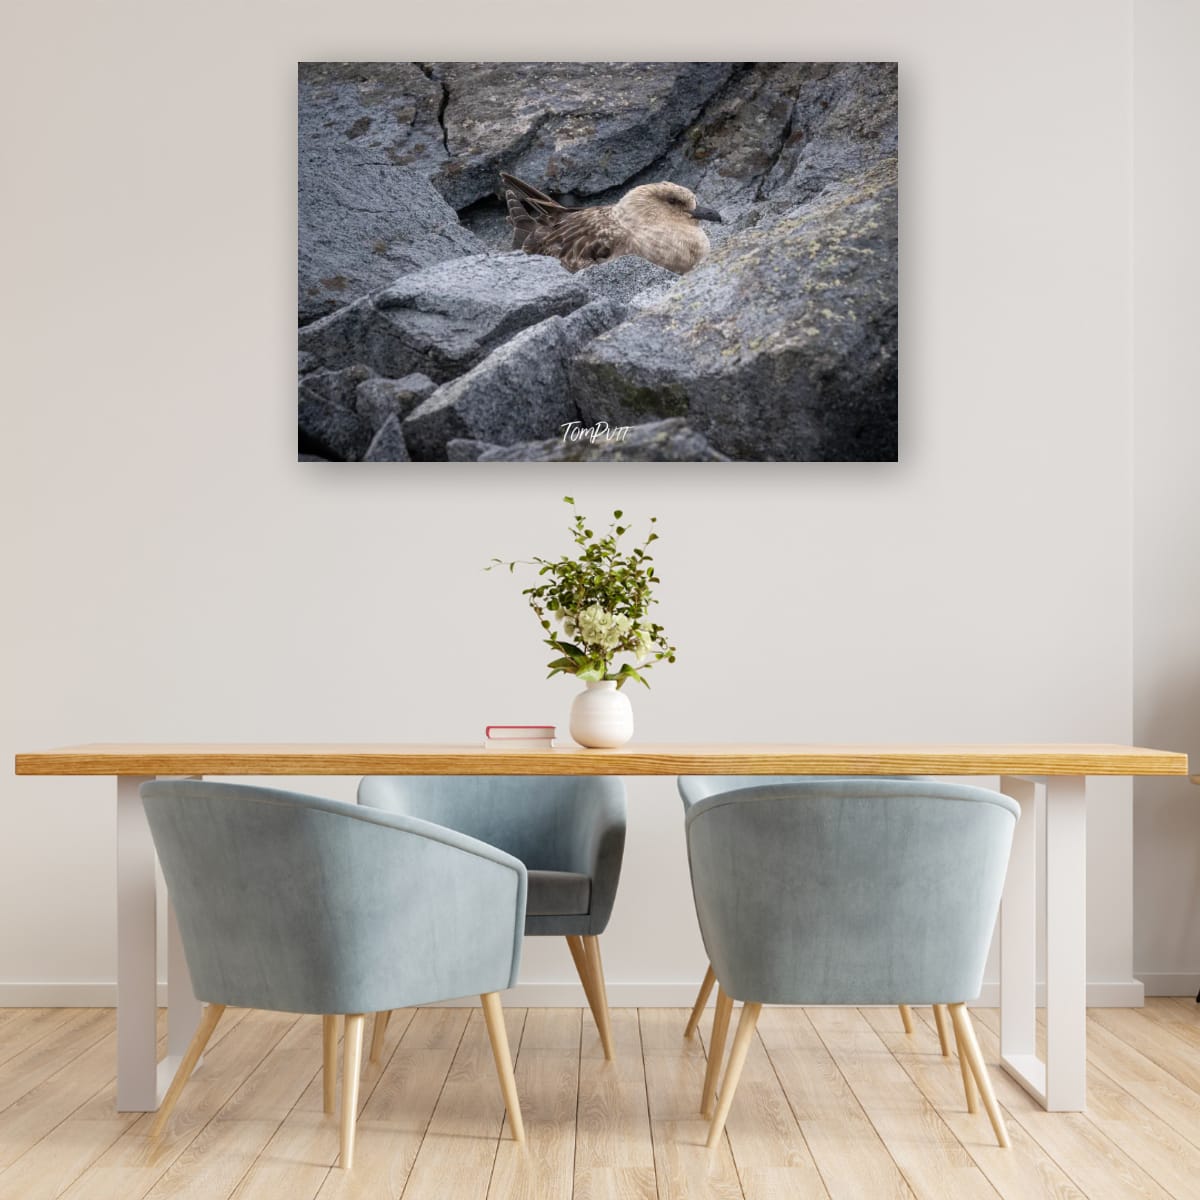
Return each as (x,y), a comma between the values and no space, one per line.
(1060,772)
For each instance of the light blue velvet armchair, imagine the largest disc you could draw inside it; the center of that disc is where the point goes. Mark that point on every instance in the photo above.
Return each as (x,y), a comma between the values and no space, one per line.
(693,789)
(569,831)
(299,904)
(850,891)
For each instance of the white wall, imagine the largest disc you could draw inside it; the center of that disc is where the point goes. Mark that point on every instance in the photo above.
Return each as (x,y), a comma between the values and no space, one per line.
(174,574)
(1167,495)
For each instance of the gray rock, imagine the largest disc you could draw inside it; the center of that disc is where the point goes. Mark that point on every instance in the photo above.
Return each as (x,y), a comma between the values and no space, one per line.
(652,296)
(732,145)
(780,346)
(331,431)
(778,133)
(566,127)
(467,449)
(388,110)
(843,123)
(488,221)
(305,363)
(339,386)
(363,223)
(520,391)
(444,319)
(660,441)
(377,399)
(388,445)
(625,277)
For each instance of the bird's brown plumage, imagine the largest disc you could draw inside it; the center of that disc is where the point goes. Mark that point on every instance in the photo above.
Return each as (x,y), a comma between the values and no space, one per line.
(657,221)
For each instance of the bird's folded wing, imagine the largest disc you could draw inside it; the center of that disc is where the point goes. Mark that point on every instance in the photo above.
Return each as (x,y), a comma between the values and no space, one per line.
(578,237)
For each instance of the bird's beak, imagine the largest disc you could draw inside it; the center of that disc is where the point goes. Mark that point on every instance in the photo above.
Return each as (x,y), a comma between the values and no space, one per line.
(706,214)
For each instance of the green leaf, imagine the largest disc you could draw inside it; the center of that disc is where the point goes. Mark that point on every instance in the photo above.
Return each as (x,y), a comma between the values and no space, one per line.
(590,674)
(568,499)
(628,672)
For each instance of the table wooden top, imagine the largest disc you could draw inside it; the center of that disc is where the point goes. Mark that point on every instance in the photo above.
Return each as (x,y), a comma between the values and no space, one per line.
(633,759)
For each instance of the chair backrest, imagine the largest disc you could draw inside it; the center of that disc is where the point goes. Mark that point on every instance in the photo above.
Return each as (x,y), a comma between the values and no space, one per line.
(850,891)
(694,788)
(549,822)
(301,904)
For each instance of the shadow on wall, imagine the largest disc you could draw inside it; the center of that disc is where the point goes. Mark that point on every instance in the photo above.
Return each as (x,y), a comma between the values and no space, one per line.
(1166,823)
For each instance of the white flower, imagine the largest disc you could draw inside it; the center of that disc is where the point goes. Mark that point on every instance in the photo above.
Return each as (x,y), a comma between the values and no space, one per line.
(602,629)
(645,644)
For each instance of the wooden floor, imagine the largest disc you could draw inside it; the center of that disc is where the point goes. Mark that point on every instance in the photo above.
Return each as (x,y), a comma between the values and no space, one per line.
(833,1103)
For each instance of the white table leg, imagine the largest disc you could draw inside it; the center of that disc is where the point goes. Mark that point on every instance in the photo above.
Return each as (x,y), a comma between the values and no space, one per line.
(141,1078)
(137,983)
(1066,944)
(1059,1083)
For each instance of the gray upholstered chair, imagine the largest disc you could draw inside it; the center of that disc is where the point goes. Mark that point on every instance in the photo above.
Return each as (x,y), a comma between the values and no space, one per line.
(568,830)
(298,904)
(693,789)
(850,891)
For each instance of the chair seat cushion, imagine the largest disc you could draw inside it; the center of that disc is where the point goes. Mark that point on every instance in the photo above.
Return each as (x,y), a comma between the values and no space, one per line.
(558,894)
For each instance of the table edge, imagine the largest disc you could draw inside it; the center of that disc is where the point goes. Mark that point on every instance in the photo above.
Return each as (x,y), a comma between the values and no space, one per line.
(730,760)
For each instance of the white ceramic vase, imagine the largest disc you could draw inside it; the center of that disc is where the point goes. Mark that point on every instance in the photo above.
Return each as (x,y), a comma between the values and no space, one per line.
(601,716)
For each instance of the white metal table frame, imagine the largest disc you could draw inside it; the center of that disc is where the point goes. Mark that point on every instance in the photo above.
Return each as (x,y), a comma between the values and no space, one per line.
(1059,1083)
(142,1080)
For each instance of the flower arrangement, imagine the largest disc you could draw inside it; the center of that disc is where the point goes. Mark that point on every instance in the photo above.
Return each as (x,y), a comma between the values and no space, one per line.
(600,600)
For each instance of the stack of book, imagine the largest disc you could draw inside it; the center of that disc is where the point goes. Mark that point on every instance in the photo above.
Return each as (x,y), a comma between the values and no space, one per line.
(519,737)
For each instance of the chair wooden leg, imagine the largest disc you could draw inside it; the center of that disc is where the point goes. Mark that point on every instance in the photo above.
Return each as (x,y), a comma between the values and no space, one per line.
(591,945)
(352,1045)
(906,1018)
(493,1014)
(716,1050)
(702,996)
(584,969)
(733,1073)
(943,1027)
(329,1023)
(966,1040)
(378,1033)
(204,1031)
(968,1077)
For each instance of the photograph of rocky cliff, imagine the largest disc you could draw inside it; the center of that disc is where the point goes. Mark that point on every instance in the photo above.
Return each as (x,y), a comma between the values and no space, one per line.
(548,262)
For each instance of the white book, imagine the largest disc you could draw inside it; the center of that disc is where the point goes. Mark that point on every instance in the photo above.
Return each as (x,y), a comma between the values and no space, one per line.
(511,743)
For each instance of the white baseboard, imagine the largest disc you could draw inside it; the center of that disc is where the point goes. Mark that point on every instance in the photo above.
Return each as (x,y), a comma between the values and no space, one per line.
(1187,984)
(1100,994)
(64,995)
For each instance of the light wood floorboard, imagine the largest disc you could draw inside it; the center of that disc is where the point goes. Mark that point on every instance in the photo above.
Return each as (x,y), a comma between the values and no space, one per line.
(833,1104)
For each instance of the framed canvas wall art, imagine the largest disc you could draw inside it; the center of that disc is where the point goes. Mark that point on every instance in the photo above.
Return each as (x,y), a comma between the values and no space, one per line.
(532,262)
